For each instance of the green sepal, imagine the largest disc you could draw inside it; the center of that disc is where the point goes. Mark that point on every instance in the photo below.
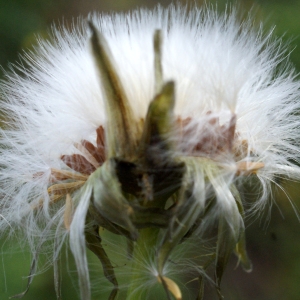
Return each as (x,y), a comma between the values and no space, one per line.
(240,248)
(156,142)
(225,245)
(108,199)
(121,128)
(201,288)
(184,218)
(158,70)
(93,242)
(241,252)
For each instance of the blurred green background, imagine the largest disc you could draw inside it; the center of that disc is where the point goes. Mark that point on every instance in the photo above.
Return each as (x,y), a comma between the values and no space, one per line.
(274,249)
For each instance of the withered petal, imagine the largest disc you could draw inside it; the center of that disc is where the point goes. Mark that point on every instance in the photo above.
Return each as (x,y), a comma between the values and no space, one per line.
(97,153)
(78,163)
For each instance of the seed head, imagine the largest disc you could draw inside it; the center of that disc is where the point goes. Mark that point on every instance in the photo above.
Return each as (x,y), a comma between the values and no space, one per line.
(146,125)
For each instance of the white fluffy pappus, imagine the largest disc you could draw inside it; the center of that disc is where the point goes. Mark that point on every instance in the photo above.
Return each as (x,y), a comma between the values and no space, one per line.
(234,118)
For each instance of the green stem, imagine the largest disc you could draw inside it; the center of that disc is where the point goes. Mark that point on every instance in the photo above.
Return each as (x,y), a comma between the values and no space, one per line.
(144,251)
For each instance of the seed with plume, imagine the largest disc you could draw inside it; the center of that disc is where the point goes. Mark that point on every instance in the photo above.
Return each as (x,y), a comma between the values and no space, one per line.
(146,125)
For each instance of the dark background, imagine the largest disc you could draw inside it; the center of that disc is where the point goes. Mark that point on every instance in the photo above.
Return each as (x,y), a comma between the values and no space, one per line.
(273,241)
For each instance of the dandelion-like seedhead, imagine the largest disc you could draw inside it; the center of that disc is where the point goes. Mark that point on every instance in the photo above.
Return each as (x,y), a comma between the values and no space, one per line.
(146,126)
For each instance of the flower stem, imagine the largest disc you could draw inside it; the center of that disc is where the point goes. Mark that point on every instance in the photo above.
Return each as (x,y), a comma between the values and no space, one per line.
(143,256)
